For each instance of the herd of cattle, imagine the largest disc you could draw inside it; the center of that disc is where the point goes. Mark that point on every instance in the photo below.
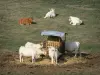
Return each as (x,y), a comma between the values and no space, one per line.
(51,14)
(36,50)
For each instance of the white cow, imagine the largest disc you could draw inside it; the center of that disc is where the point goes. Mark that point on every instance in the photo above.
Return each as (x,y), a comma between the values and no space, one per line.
(30,44)
(75,20)
(53,54)
(30,51)
(51,13)
(23,51)
(73,47)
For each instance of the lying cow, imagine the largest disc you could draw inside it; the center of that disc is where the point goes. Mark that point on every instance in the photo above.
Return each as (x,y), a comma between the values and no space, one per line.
(50,14)
(75,20)
(26,21)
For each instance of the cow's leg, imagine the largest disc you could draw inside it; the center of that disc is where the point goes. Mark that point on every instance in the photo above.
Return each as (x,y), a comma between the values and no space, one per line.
(76,51)
(79,51)
(52,60)
(20,57)
(56,60)
(73,23)
(33,58)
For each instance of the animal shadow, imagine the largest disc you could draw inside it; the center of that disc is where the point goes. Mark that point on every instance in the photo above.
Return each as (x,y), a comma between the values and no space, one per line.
(34,23)
(82,23)
(57,15)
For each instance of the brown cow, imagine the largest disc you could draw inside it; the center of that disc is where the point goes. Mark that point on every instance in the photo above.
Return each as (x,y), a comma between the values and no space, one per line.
(25,21)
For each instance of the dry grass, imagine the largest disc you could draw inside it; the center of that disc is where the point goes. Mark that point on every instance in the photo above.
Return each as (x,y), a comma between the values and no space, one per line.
(74,60)
(47,61)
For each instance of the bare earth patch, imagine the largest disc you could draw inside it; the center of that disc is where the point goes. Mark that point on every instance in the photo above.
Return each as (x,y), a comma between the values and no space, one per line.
(9,64)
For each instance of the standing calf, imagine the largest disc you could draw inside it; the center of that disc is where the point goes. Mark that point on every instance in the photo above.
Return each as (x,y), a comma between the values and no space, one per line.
(53,54)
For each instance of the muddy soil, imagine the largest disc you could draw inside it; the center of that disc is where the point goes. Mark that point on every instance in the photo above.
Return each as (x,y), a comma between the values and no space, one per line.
(10,65)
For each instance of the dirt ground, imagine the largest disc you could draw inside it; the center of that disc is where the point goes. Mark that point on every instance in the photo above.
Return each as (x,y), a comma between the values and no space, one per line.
(87,64)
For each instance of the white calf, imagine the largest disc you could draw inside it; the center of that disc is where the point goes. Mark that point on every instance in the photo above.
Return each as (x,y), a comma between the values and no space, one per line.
(50,14)
(53,54)
(30,51)
(30,44)
(23,51)
(75,20)
(73,46)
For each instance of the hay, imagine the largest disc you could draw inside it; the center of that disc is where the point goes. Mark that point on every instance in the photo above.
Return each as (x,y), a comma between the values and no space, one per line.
(47,61)
(37,62)
(74,60)
(69,61)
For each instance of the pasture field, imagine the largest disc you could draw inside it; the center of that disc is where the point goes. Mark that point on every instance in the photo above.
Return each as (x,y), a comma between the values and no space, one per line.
(13,35)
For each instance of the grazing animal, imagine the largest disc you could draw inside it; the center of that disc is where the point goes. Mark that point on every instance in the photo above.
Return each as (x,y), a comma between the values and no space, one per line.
(26,52)
(25,21)
(75,21)
(73,47)
(54,54)
(50,14)
(30,44)
(30,52)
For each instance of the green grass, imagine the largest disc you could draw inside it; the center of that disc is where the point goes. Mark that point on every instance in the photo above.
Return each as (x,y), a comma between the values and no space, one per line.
(12,35)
